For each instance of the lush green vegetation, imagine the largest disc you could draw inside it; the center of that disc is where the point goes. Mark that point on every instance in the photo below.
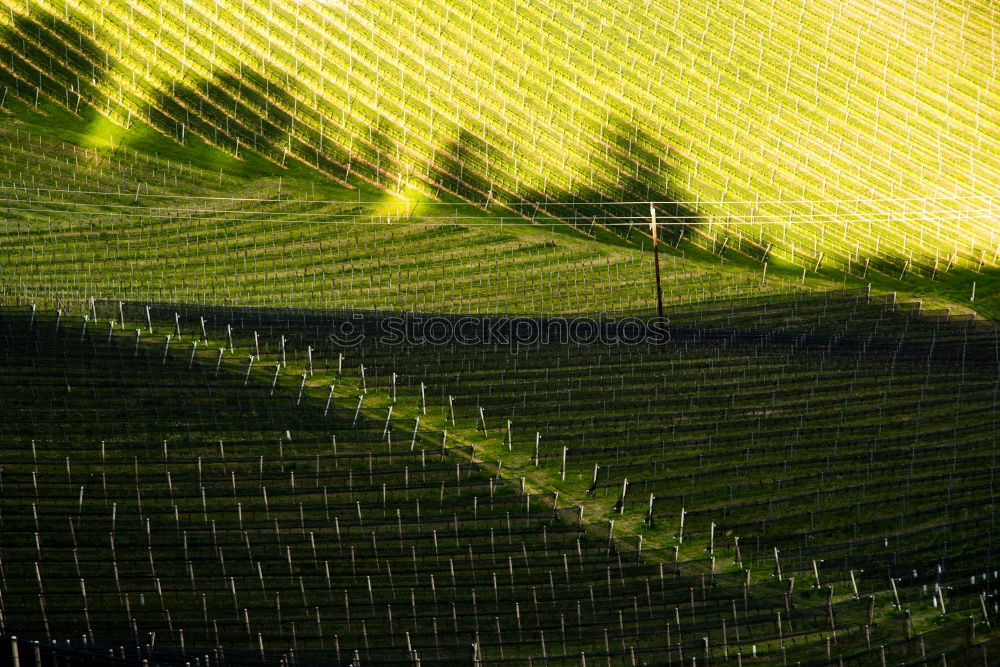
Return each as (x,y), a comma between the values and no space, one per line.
(198,465)
(813,133)
(138,216)
(134,223)
(269,456)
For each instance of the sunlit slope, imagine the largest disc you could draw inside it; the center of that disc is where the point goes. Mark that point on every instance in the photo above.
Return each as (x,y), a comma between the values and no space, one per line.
(856,109)
(138,223)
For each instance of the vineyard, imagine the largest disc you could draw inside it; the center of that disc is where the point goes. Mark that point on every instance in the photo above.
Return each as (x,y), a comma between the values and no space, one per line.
(241,490)
(877,121)
(549,333)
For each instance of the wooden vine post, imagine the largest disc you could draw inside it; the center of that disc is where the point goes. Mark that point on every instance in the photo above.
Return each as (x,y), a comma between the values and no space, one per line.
(656,261)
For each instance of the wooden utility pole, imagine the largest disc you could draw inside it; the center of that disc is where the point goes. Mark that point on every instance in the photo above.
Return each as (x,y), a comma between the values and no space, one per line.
(656,261)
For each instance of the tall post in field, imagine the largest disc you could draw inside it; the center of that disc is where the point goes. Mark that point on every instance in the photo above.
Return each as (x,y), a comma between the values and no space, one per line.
(656,261)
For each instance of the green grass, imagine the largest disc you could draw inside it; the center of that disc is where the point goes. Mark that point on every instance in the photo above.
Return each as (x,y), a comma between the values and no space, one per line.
(323,163)
(316,248)
(792,111)
(156,398)
(184,237)
(515,463)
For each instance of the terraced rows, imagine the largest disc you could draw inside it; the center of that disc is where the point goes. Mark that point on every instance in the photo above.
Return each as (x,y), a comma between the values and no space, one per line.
(793,116)
(846,441)
(129,226)
(309,536)
(242,245)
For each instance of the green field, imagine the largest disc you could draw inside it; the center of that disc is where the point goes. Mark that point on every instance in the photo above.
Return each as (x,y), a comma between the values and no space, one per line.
(242,246)
(786,125)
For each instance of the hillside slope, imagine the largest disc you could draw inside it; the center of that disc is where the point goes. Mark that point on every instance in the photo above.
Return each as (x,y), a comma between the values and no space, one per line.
(854,133)
(136,217)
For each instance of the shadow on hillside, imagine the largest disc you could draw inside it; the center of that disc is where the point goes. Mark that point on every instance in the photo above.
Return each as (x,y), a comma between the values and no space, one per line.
(247,108)
(837,323)
(635,173)
(459,166)
(619,202)
(46,55)
(376,155)
(254,111)
(241,113)
(220,111)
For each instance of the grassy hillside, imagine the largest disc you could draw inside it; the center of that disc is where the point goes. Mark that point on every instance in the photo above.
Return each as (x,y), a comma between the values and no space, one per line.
(325,330)
(145,219)
(861,136)
(135,215)
(330,503)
